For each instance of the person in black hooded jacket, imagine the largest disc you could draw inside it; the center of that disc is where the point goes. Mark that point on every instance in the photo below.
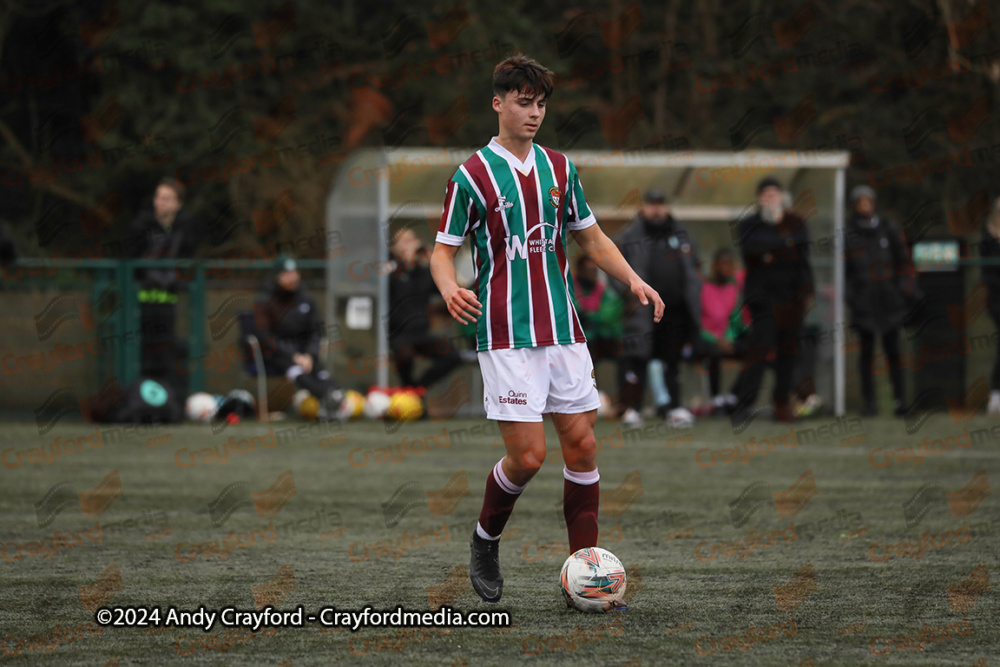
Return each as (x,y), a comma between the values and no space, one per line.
(290,329)
(989,248)
(879,281)
(165,232)
(410,337)
(663,253)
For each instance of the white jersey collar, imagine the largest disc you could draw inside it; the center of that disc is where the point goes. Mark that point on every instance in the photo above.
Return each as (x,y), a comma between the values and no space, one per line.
(523,167)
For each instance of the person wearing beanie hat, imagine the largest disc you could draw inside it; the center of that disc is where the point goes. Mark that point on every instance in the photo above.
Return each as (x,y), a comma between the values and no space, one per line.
(778,291)
(879,286)
(290,331)
(860,191)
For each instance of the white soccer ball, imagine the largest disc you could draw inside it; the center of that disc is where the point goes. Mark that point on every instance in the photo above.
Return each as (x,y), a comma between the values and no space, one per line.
(593,580)
(201,407)
(377,404)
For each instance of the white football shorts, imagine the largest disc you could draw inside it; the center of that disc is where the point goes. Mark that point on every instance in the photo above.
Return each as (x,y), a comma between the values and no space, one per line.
(522,384)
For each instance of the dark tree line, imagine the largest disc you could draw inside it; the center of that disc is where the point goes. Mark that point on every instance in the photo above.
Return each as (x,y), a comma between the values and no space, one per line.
(254,103)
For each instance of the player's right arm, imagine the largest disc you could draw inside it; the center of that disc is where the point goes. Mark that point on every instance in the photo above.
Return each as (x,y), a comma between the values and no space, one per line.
(462,303)
(456,219)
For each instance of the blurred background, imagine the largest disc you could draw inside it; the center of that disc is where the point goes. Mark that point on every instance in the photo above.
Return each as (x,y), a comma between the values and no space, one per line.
(262,109)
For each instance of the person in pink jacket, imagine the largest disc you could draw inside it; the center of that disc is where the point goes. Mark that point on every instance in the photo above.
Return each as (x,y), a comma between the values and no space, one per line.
(720,295)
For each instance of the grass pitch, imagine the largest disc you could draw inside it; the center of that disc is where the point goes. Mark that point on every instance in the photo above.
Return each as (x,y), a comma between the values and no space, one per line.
(771,546)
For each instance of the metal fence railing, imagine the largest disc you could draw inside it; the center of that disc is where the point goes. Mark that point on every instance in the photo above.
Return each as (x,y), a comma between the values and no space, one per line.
(114,308)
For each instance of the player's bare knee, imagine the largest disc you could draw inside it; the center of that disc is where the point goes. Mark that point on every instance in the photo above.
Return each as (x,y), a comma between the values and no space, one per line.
(581,456)
(529,460)
(534,458)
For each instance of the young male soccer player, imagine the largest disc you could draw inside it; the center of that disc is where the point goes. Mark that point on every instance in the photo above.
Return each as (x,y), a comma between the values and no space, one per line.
(516,200)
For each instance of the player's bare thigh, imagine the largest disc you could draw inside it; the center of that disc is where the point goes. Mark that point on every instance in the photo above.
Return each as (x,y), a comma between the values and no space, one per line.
(576,437)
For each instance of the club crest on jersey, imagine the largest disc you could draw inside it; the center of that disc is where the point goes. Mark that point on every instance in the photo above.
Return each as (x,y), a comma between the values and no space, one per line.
(503,204)
(555,194)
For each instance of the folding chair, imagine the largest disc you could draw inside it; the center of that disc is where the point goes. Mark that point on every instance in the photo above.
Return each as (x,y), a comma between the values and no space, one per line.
(253,363)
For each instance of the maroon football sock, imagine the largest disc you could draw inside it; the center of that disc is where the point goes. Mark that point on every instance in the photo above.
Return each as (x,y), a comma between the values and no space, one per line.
(581,502)
(498,503)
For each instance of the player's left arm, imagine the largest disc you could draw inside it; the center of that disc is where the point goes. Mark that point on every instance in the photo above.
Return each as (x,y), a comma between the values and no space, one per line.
(608,257)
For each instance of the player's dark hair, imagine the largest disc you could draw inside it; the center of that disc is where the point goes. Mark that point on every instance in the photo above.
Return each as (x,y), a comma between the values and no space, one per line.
(174,185)
(524,75)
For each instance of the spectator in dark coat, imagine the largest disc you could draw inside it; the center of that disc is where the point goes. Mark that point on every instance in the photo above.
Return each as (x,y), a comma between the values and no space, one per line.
(165,232)
(879,279)
(778,292)
(290,329)
(989,249)
(663,254)
(410,337)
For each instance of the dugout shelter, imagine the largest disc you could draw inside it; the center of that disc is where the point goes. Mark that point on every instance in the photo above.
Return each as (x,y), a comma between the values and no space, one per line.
(377,190)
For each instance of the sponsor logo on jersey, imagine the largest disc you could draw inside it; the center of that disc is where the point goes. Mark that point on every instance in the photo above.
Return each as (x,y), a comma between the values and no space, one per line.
(516,246)
(502,203)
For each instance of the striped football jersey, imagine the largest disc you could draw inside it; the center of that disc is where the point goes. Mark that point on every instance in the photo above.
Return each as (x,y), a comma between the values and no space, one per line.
(517,215)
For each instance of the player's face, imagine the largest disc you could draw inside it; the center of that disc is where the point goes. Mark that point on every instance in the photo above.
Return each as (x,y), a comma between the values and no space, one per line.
(521,114)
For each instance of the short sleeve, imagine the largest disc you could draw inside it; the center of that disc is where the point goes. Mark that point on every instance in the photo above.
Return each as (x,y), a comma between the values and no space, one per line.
(457,216)
(579,214)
